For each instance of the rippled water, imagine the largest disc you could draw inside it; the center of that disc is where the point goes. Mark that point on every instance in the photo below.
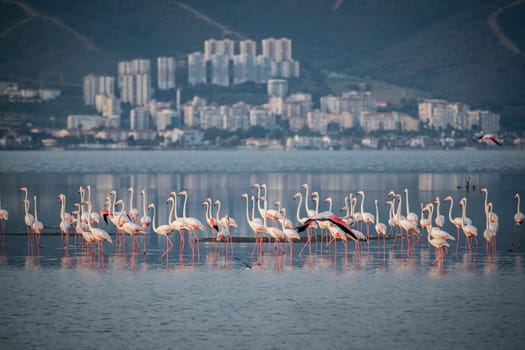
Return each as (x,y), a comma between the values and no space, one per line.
(58,299)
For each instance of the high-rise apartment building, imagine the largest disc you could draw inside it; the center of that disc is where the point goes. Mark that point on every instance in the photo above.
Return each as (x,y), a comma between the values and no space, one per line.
(166,73)
(196,69)
(220,70)
(218,47)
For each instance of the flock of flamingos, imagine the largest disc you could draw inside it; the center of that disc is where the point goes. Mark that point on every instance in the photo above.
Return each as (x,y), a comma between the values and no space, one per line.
(271,223)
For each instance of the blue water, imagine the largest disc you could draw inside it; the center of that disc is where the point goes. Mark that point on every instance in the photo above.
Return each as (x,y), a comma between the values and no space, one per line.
(384,297)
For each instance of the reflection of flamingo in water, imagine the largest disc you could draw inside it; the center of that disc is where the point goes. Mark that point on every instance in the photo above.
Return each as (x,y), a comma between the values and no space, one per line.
(162,230)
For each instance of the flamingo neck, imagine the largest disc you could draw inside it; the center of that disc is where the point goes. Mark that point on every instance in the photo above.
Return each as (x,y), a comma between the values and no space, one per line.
(153,220)
(377,211)
(217,213)
(36,212)
(299,207)
(144,204)
(362,203)
(131,200)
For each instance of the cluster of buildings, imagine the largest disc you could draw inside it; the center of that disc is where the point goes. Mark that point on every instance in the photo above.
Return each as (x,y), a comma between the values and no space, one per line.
(14,93)
(223,64)
(440,114)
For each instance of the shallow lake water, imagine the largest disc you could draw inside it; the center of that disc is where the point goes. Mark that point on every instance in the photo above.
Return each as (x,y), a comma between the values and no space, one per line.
(56,298)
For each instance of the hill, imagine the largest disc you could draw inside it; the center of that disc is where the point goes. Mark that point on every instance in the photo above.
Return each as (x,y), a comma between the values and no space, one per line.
(441,48)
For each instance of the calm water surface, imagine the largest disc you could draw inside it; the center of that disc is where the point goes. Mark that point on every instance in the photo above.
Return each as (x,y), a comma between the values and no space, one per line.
(58,299)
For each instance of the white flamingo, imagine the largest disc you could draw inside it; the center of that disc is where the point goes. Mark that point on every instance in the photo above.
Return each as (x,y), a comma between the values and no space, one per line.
(439,244)
(64,225)
(37,226)
(130,228)
(379,226)
(4,216)
(133,212)
(368,218)
(468,229)
(518,217)
(493,216)
(412,217)
(440,219)
(162,230)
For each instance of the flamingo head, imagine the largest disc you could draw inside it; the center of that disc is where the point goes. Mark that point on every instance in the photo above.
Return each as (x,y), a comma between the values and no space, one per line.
(216,203)
(516,196)
(391,194)
(484,189)
(244,195)
(24,189)
(314,195)
(151,205)
(360,193)
(328,199)
(170,199)
(254,185)
(142,193)
(304,186)
(388,203)
(436,200)
(183,193)
(130,189)
(345,208)
(296,195)
(448,198)
(277,203)
(119,202)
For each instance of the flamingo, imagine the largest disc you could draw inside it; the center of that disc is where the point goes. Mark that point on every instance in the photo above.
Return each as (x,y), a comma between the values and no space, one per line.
(99,234)
(290,233)
(256,224)
(436,232)
(145,220)
(438,243)
(468,229)
(287,222)
(358,218)
(379,226)
(440,219)
(130,228)
(391,217)
(193,223)
(323,225)
(328,216)
(518,217)
(29,219)
(210,220)
(226,220)
(423,221)
(405,224)
(162,230)
(271,214)
(94,217)
(489,139)
(224,224)
(274,232)
(301,220)
(4,216)
(412,217)
(367,217)
(457,221)
(64,225)
(493,216)
(490,231)
(81,229)
(309,212)
(133,212)
(37,226)
(177,224)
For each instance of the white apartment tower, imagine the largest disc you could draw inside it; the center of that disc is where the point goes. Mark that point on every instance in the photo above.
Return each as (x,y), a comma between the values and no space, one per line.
(218,47)
(277,49)
(196,69)
(166,73)
(248,47)
(220,72)
(97,85)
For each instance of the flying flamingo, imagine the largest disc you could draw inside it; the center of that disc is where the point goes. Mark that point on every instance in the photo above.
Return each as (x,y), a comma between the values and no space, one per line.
(489,139)
(468,229)
(4,216)
(162,230)
(379,227)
